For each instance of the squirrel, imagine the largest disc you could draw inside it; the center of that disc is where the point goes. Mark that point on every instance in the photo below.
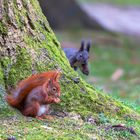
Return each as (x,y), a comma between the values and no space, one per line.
(33,94)
(79,58)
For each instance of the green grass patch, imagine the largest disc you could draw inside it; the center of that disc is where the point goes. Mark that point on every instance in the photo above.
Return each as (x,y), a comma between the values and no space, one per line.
(67,128)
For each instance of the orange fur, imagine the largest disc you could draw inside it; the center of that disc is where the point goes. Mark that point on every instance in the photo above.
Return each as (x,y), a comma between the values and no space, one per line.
(39,98)
(31,110)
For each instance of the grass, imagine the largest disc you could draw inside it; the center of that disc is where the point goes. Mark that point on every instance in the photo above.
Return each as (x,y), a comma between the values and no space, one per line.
(67,128)
(107,61)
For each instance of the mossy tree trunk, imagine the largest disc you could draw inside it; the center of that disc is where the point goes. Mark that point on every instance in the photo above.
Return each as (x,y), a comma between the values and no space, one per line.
(28,45)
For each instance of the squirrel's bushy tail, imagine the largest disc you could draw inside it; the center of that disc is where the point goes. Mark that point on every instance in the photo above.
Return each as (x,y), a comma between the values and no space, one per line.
(11,100)
(21,92)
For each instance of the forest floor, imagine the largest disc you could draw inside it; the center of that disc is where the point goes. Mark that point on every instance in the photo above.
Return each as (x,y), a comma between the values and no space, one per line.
(14,126)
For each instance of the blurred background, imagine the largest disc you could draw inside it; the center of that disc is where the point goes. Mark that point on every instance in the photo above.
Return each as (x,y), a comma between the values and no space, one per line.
(114,28)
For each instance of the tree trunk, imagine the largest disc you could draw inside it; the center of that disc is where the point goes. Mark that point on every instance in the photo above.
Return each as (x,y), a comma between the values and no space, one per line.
(28,45)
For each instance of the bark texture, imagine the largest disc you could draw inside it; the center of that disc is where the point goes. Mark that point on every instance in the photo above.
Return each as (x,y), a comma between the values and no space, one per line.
(28,45)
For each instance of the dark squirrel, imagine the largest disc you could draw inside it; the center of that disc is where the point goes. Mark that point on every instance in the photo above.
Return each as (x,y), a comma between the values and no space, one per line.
(79,58)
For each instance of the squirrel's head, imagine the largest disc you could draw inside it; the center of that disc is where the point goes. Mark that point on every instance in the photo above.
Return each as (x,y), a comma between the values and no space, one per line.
(52,87)
(83,53)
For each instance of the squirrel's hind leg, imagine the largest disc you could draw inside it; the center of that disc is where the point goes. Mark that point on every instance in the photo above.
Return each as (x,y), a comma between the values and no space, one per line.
(32,109)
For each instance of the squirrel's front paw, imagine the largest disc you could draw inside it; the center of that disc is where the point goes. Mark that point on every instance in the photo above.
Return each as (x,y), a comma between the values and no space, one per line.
(57,100)
(86,72)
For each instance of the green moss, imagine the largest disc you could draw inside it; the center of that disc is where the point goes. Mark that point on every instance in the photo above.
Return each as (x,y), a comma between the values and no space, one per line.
(3,28)
(5,61)
(22,68)
(18,70)
(19,15)
(1,75)
(62,128)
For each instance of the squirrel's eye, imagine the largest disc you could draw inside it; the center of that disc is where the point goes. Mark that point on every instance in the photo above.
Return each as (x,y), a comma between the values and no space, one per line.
(54,89)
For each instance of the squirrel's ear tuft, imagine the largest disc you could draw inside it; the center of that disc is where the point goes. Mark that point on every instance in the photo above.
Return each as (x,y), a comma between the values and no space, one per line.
(82,45)
(57,76)
(88,46)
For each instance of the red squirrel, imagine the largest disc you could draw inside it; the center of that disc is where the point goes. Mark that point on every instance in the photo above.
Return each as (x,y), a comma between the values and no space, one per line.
(33,94)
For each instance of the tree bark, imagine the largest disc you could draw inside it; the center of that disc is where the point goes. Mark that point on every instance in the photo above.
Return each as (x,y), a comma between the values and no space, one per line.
(28,45)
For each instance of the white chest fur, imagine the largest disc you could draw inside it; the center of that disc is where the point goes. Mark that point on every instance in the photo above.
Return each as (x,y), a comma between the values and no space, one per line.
(42,110)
